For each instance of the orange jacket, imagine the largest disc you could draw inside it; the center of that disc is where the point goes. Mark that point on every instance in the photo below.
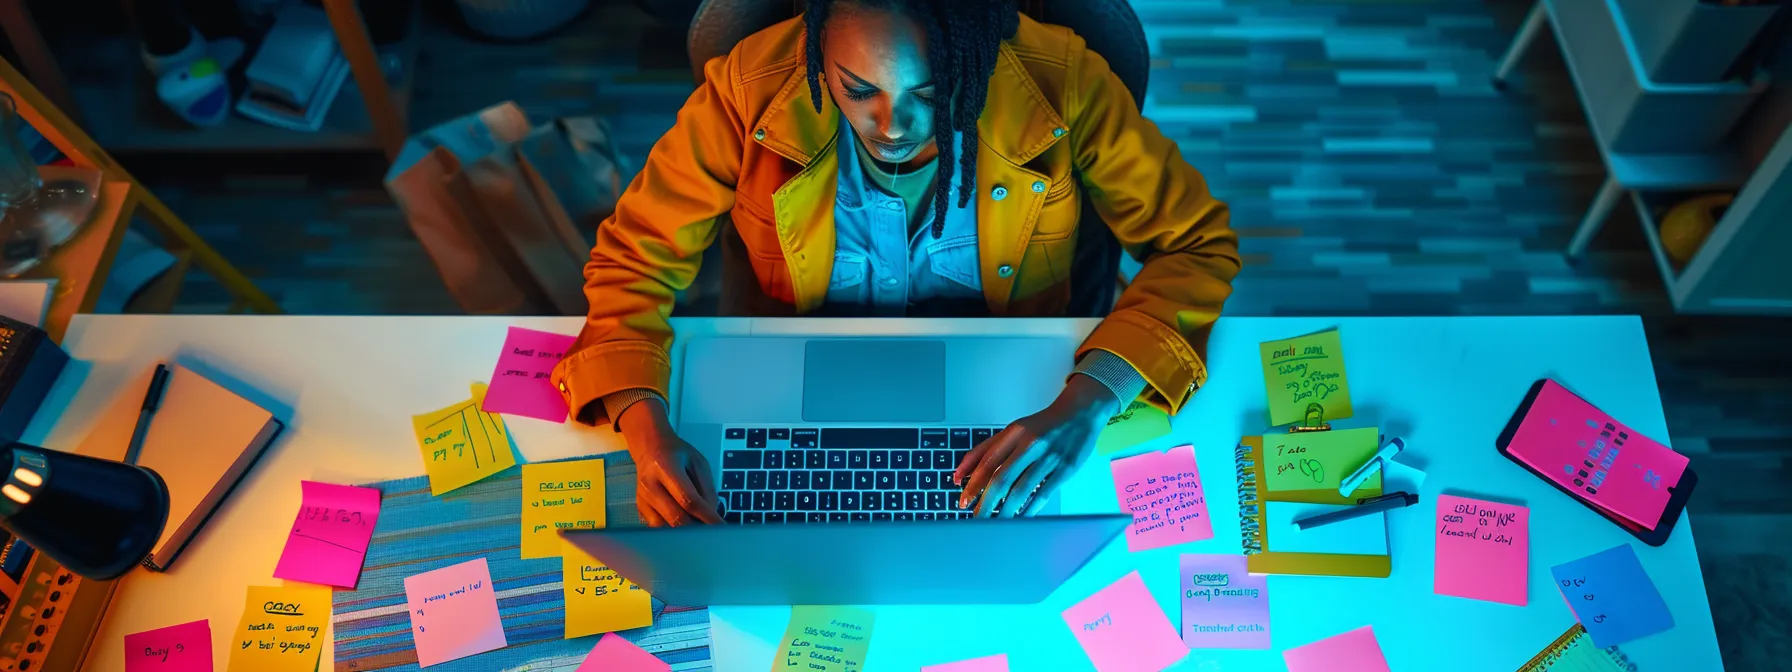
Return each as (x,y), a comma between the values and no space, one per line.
(1057,126)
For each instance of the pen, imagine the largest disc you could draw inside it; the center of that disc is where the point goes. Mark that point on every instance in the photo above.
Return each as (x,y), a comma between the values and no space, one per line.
(151,400)
(1356,478)
(1388,502)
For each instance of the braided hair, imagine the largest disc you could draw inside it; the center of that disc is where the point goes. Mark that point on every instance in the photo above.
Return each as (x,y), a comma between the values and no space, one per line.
(963,39)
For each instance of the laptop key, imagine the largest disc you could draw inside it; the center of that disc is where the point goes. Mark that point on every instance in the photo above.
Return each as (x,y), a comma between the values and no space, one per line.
(861,517)
(799,480)
(849,500)
(915,501)
(819,480)
(774,517)
(736,433)
(731,517)
(836,459)
(795,517)
(856,458)
(946,481)
(942,459)
(756,438)
(804,438)
(961,438)
(933,438)
(924,515)
(740,500)
(880,459)
(899,459)
(923,459)
(793,459)
(740,459)
(905,480)
(752,518)
(880,516)
(886,480)
(779,434)
(818,517)
(871,501)
(905,516)
(958,457)
(842,480)
(734,479)
(780,480)
(892,501)
(805,501)
(837,517)
(936,501)
(774,459)
(756,480)
(762,500)
(784,500)
(830,500)
(861,480)
(815,459)
(929,480)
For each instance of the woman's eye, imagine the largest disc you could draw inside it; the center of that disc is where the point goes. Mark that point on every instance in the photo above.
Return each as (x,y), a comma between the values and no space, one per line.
(925,97)
(860,94)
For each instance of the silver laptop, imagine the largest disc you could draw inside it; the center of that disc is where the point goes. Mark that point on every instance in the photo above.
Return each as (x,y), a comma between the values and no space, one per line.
(834,458)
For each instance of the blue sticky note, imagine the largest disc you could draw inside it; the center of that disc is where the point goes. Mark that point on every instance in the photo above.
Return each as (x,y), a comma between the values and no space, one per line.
(1612,596)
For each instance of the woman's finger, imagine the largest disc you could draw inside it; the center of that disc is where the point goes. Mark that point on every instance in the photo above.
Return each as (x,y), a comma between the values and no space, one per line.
(972,458)
(1026,488)
(1002,444)
(665,505)
(644,506)
(1001,482)
(689,498)
(1047,487)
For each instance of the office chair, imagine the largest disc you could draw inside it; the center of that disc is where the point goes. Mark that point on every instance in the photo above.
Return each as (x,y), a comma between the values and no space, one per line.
(1109,26)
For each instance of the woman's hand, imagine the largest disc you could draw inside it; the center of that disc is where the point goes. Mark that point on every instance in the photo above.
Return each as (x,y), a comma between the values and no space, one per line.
(673,485)
(1015,471)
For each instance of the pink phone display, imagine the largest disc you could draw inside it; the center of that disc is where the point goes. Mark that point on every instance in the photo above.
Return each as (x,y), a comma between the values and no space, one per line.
(1596,457)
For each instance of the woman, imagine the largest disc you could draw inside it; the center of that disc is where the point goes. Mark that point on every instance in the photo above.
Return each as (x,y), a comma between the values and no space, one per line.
(935,167)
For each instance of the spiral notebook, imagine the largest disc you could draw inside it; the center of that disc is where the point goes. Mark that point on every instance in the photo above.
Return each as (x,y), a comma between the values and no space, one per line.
(1575,651)
(1273,544)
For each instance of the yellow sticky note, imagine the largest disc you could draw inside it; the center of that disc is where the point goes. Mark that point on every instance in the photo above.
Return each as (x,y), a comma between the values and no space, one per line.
(833,639)
(597,598)
(560,495)
(1319,460)
(462,444)
(1302,371)
(1140,422)
(282,629)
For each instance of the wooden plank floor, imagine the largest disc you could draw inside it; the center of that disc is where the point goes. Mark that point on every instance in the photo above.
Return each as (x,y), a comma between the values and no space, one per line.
(1371,170)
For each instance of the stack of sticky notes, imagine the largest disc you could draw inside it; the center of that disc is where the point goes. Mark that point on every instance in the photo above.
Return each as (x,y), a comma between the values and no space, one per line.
(1299,373)
(1162,492)
(1483,550)
(1612,596)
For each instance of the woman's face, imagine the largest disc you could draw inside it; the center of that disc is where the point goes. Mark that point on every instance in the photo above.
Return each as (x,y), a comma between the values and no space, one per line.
(876,66)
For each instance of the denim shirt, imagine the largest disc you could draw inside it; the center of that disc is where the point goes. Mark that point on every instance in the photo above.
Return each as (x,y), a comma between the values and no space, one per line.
(880,270)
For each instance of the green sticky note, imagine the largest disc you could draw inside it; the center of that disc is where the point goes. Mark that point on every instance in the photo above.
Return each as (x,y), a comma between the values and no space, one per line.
(1302,371)
(1319,460)
(1140,422)
(832,639)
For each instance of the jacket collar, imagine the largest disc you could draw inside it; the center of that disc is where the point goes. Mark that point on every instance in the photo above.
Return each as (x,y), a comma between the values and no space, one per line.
(1017,123)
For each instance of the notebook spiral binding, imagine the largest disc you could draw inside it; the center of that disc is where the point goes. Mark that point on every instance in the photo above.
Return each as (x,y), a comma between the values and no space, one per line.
(1251,533)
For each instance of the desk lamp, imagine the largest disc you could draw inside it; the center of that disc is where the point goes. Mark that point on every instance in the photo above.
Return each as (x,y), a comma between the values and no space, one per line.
(99,518)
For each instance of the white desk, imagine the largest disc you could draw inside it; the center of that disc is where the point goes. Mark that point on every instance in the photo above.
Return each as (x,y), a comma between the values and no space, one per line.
(1446,384)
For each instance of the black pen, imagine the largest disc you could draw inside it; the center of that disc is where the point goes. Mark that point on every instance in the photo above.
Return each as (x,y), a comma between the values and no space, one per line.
(1387,502)
(151,400)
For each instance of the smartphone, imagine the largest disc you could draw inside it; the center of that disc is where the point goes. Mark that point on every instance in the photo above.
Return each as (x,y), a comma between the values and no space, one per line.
(1588,479)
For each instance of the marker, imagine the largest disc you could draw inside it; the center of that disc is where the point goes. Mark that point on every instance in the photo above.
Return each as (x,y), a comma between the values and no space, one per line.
(1362,473)
(1387,502)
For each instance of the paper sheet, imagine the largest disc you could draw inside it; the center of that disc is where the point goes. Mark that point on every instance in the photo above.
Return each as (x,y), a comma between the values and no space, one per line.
(177,648)
(615,654)
(1319,460)
(328,541)
(454,612)
(1122,629)
(27,300)
(1354,651)
(825,639)
(557,496)
(1162,492)
(1363,535)
(1223,605)
(995,663)
(1612,596)
(461,444)
(1594,456)
(1483,550)
(1140,422)
(597,598)
(1305,370)
(282,629)
(520,384)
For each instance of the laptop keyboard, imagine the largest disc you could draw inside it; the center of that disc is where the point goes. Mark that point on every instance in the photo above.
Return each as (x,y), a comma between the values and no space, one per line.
(843,474)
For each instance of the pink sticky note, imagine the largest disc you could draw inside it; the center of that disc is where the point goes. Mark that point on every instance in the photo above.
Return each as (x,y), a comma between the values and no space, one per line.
(520,384)
(1596,457)
(615,654)
(454,612)
(1483,550)
(1224,606)
(177,648)
(1122,628)
(329,537)
(1163,493)
(1354,651)
(995,663)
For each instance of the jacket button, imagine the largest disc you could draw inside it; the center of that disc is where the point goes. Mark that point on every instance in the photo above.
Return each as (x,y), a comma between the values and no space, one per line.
(1005,270)
(759,134)
(563,388)
(998,193)
(1038,187)
(1057,132)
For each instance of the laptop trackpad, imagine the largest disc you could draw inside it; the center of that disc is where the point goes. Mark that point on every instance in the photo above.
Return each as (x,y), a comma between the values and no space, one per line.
(858,380)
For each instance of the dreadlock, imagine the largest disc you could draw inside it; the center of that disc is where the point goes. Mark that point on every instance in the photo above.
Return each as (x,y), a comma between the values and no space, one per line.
(963,37)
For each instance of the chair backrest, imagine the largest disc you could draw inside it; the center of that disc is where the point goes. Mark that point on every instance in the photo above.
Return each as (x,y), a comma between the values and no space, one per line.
(1110,27)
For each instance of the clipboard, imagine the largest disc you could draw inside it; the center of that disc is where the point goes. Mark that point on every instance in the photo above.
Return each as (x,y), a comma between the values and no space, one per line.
(1253,513)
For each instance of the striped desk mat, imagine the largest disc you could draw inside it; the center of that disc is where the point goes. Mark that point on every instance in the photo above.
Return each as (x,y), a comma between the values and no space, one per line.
(417,533)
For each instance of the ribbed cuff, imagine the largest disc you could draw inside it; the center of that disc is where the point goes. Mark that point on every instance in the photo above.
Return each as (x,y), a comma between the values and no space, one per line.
(617,402)
(1112,372)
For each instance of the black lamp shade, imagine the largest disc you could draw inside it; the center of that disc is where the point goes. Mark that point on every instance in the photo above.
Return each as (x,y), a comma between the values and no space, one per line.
(99,518)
